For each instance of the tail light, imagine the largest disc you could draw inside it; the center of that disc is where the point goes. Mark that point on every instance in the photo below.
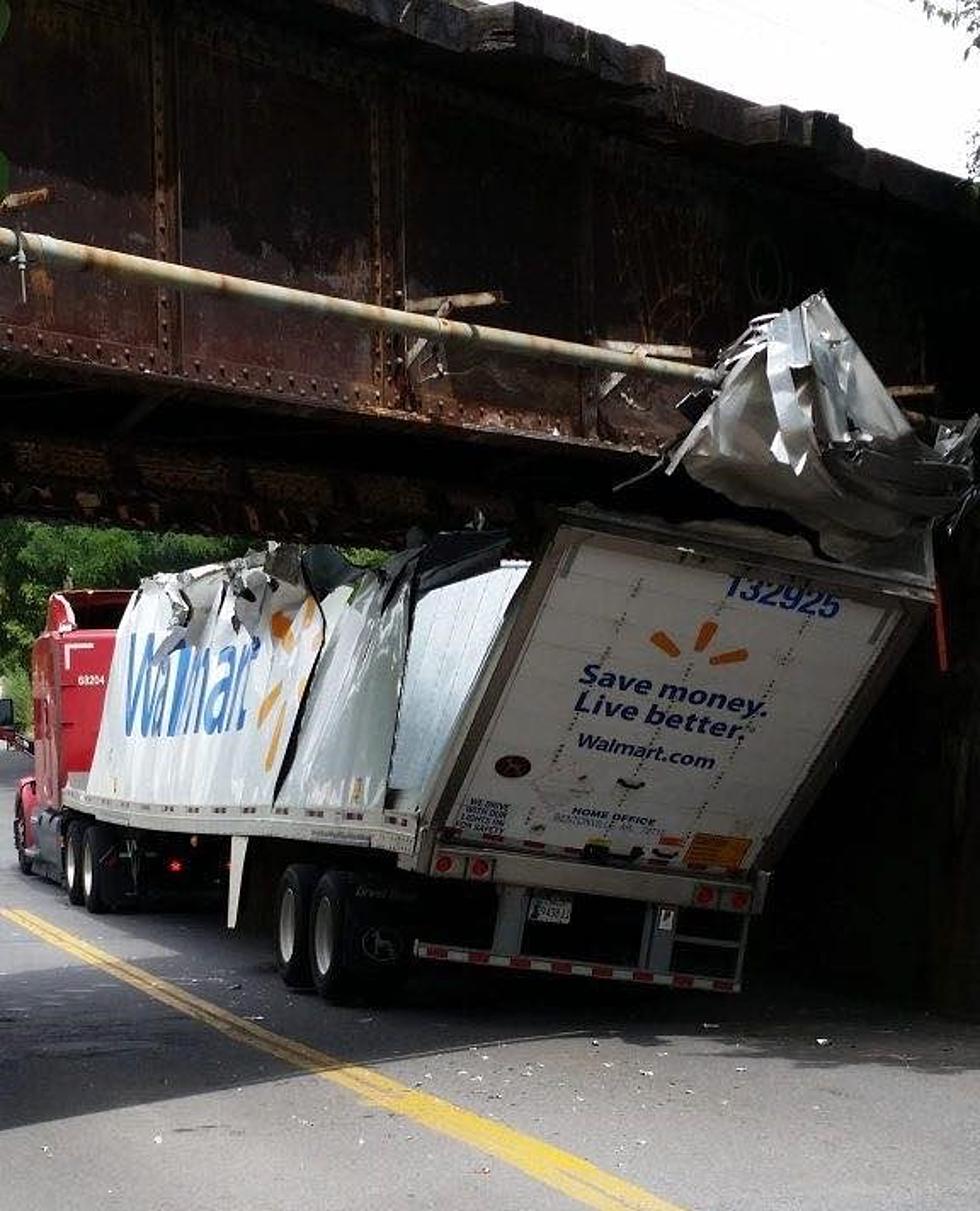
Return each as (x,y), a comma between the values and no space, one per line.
(457,866)
(705,896)
(448,865)
(480,868)
(174,866)
(738,900)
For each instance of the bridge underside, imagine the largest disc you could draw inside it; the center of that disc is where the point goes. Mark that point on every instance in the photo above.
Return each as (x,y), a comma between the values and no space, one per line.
(93,449)
(401,155)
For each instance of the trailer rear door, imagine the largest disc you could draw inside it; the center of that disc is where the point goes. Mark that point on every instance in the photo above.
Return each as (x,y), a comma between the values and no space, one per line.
(668,704)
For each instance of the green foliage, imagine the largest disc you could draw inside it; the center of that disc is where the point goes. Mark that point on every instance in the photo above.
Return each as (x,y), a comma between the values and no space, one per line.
(15,682)
(37,559)
(366,557)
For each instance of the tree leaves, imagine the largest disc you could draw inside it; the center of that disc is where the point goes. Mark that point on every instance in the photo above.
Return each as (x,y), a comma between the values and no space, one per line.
(37,559)
(966,16)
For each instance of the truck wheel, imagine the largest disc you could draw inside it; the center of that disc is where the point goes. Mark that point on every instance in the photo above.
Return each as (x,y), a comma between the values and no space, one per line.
(293,899)
(327,923)
(73,861)
(378,932)
(20,839)
(357,944)
(96,844)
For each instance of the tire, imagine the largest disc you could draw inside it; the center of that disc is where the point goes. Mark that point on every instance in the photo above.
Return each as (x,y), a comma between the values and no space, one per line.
(292,924)
(73,861)
(379,930)
(329,969)
(25,863)
(358,943)
(97,843)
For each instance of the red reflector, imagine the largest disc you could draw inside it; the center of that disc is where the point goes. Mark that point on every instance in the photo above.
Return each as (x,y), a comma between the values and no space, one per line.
(683,981)
(175,866)
(479,956)
(602,973)
(705,896)
(520,962)
(561,968)
(443,863)
(643,977)
(479,868)
(740,899)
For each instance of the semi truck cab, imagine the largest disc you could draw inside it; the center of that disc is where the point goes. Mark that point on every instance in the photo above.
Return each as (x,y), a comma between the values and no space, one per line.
(70,669)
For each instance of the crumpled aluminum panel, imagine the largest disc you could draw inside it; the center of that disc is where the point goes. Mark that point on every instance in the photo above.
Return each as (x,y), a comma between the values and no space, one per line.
(802,423)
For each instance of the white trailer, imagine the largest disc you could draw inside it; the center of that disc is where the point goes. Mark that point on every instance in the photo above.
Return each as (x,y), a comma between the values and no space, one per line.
(584,766)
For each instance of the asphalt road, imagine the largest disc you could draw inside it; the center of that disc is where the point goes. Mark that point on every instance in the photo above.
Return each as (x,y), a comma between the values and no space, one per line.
(111,1098)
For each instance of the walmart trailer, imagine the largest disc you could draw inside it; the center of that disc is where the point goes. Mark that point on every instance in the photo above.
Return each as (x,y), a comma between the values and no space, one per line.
(584,766)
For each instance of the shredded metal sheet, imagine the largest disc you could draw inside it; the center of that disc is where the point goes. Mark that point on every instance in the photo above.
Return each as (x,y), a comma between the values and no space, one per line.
(803,424)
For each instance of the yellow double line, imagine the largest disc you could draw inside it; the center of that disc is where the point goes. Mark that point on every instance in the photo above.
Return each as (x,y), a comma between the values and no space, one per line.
(563,1171)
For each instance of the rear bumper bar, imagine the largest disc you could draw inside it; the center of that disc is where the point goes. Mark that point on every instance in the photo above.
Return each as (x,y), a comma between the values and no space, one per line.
(571,967)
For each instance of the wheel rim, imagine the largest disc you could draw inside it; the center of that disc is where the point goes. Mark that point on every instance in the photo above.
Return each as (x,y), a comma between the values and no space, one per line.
(323,936)
(20,832)
(70,870)
(88,870)
(287,924)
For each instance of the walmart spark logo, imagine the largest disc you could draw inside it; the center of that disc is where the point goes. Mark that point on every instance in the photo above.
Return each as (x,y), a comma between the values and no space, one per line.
(289,635)
(705,636)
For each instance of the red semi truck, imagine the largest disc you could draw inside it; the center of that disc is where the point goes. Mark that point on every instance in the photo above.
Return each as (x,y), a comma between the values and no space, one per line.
(70,666)
(70,669)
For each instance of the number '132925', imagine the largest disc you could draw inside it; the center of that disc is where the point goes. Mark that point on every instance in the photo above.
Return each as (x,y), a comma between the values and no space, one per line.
(813,602)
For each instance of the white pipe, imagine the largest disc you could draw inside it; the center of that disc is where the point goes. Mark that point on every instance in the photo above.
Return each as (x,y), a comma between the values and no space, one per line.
(87,258)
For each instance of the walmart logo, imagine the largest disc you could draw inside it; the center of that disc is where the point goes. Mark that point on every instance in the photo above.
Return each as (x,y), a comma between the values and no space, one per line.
(287,635)
(705,637)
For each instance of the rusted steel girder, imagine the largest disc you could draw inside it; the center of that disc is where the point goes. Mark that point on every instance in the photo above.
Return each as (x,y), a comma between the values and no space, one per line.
(339,490)
(480,153)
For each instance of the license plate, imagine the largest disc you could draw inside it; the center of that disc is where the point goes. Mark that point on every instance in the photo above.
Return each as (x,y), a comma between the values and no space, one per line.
(551,910)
